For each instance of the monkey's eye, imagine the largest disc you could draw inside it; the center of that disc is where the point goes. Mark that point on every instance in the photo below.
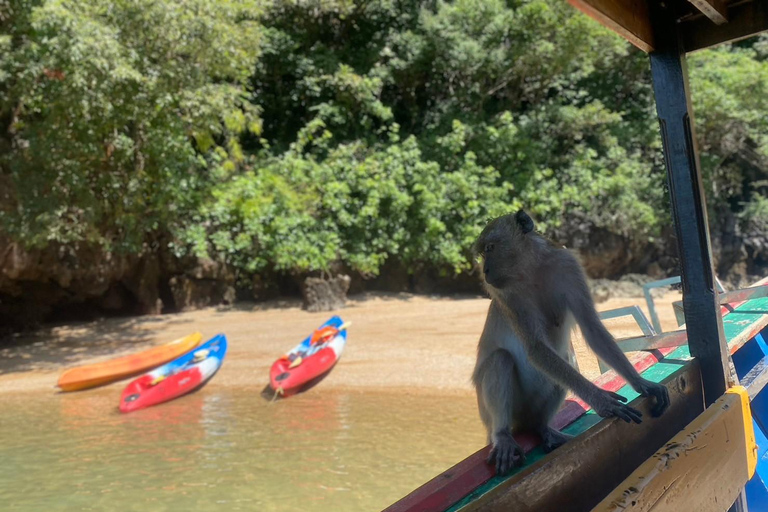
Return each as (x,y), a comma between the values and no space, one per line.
(488,248)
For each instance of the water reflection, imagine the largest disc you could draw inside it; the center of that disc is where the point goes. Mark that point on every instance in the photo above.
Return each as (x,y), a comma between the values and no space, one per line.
(224,449)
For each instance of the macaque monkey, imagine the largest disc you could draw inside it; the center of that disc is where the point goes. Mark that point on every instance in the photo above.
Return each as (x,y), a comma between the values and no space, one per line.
(537,292)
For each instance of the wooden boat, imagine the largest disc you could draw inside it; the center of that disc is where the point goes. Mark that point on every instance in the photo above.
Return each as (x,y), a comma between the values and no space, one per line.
(97,374)
(473,483)
(177,378)
(310,360)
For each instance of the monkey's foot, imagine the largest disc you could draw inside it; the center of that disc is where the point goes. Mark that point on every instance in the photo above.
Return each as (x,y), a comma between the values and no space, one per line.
(506,452)
(551,439)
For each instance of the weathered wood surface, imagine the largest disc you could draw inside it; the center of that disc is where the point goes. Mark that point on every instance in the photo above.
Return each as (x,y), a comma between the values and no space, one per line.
(703,468)
(732,298)
(744,19)
(722,21)
(756,379)
(715,10)
(675,339)
(628,18)
(581,472)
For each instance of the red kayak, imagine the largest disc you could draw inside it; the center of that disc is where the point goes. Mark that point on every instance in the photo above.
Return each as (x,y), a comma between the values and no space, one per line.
(179,377)
(310,360)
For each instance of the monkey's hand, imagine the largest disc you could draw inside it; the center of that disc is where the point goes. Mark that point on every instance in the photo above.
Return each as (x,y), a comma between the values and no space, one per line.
(658,392)
(506,452)
(607,404)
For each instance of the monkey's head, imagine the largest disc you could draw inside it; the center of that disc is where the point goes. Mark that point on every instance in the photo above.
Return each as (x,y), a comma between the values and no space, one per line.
(506,248)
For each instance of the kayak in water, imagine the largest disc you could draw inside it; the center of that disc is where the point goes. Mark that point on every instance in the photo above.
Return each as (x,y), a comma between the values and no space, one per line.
(179,377)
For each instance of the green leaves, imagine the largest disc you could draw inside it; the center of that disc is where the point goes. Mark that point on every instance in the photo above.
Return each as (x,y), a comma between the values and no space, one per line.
(301,136)
(361,205)
(106,98)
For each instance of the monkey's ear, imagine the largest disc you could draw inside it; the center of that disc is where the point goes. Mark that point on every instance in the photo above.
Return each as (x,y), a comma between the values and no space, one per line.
(524,221)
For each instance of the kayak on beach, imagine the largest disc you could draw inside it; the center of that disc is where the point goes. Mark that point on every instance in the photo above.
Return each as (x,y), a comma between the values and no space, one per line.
(311,360)
(97,374)
(179,377)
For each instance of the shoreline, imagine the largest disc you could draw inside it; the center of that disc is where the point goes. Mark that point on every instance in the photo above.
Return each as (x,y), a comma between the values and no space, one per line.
(398,343)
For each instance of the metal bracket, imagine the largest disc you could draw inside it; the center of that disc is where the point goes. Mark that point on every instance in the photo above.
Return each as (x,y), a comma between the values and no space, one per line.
(633,311)
(647,287)
(640,318)
(652,306)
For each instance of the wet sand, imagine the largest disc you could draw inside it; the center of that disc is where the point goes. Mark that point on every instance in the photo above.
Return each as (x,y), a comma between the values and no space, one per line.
(397,342)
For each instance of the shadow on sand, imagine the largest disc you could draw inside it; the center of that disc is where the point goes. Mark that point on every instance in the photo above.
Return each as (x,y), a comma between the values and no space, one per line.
(68,344)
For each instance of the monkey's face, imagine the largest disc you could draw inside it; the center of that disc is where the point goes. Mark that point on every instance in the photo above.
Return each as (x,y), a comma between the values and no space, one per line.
(503,248)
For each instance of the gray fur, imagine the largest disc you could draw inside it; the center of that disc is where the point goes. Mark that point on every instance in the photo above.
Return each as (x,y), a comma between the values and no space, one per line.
(538,292)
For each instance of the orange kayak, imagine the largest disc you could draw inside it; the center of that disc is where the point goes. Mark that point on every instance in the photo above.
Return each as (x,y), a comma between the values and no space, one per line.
(92,375)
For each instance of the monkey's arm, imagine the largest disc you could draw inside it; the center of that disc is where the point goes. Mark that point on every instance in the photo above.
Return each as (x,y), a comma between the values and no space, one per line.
(605,347)
(545,359)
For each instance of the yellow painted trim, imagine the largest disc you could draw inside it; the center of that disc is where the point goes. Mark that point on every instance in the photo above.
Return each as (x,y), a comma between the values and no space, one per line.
(699,469)
(749,429)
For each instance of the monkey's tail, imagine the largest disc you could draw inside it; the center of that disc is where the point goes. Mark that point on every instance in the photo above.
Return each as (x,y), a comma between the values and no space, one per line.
(278,391)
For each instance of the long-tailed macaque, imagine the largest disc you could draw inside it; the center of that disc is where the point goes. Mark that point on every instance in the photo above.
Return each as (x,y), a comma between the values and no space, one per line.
(537,292)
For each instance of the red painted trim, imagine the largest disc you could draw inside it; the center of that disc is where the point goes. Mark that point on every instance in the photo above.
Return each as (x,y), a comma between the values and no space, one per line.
(449,487)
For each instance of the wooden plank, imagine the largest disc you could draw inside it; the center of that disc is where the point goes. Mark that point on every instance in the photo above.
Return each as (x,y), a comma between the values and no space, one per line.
(744,19)
(587,468)
(735,301)
(703,468)
(628,18)
(472,477)
(663,340)
(735,296)
(745,322)
(715,10)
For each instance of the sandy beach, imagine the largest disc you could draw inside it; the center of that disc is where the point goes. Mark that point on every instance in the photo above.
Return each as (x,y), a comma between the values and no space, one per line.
(397,342)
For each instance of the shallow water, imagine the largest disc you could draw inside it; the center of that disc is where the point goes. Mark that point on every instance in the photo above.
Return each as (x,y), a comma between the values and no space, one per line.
(227,449)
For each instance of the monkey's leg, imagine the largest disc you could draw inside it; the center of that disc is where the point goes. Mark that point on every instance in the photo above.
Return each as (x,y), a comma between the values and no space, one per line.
(551,438)
(497,382)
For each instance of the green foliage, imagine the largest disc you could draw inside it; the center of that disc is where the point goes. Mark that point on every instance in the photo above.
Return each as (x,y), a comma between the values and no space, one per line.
(754,217)
(360,205)
(102,100)
(293,136)
(730,93)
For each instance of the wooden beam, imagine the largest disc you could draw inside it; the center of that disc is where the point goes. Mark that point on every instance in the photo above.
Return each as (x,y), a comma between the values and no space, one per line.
(703,468)
(628,18)
(576,476)
(744,20)
(706,338)
(715,10)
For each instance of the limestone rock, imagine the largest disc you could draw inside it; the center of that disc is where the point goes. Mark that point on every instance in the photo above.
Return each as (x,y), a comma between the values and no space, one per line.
(144,283)
(325,294)
(191,293)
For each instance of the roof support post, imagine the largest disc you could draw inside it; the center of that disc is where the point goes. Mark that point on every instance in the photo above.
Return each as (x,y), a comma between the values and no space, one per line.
(702,309)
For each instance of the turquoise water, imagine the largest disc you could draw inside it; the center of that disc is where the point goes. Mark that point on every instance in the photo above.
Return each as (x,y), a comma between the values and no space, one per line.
(227,449)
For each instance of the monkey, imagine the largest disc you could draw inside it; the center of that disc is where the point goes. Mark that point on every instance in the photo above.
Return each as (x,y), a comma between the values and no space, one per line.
(538,293)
